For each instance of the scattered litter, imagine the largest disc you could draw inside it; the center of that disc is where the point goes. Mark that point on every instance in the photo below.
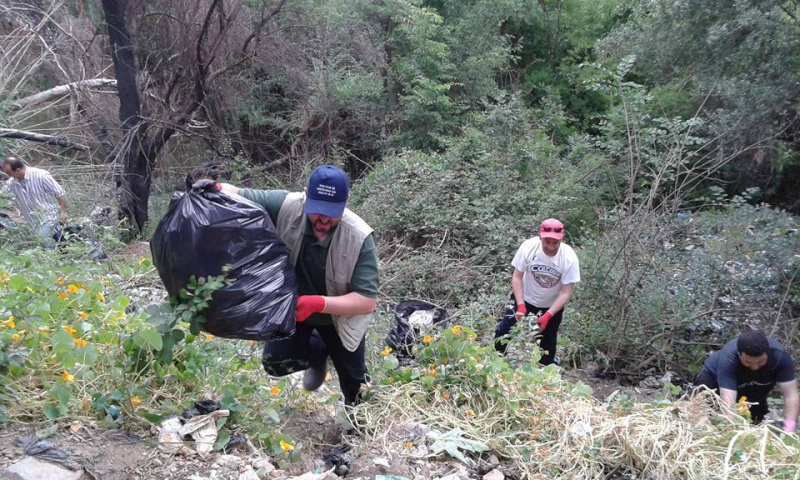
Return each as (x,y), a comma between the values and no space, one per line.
(203,407)
(41,449)
(381,462)
(338,460)
(169,440)
(203,429)
(581,429)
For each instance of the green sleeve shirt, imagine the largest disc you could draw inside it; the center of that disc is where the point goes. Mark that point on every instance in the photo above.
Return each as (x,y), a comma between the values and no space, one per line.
(310,268)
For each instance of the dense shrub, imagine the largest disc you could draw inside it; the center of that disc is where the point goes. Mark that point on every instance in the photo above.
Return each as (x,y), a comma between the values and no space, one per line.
(663,291)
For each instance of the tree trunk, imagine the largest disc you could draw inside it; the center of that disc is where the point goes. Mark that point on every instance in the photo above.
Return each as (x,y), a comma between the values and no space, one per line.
(134,182)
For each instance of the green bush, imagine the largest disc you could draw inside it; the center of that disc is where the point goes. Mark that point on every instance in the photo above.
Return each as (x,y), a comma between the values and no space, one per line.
(664,291)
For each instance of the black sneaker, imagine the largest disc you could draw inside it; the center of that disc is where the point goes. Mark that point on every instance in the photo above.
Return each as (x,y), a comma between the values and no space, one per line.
(314,376)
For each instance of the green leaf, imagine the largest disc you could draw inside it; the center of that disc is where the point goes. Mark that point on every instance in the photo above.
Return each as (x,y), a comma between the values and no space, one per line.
(149,339)
(153,418)
(390,362)
(63,393)
(47,432)
(272,415)
(40,308)
(222,440)
(452,442)
(17,282)
(63,342)
(51,412)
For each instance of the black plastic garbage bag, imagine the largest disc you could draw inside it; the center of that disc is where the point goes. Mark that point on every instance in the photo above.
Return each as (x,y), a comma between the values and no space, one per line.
(204,231)
(411,317)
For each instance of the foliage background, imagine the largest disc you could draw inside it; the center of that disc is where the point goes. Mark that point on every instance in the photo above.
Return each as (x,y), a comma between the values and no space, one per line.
(663,133)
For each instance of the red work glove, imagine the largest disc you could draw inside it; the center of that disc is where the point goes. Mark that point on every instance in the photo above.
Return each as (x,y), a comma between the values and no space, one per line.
(308,305)
(521,311)
(544,320)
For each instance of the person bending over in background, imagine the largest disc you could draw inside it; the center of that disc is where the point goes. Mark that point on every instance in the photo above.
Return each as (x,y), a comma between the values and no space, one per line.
(545,273)
(39,198)
(750,366)
(336,265)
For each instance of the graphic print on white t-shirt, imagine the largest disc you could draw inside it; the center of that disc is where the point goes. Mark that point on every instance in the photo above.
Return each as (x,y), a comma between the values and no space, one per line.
(545,275)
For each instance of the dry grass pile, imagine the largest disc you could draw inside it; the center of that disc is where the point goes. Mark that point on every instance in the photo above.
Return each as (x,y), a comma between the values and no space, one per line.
(552,430)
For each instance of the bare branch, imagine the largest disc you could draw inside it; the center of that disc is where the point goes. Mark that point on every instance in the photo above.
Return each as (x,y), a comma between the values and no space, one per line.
(56,93)
(41,138)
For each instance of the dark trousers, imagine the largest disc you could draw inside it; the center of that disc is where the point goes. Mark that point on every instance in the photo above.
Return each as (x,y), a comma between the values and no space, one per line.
(549,335)
(311,346)
(757,412)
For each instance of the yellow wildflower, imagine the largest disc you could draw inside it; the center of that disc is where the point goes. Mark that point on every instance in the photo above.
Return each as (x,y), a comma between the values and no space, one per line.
(10,322)
(79,342)
(427,339)
(4,277)
(457,330)
(274,390)
(208,336)
(70,330)
(83,315)
(62,296)
(60,281)
(286,447)
(80,286)
(101,297)
(67,377)
(135,401)
(72,288)
(409,445)
(16,337)
(386,350)
(742,406)
(432,371)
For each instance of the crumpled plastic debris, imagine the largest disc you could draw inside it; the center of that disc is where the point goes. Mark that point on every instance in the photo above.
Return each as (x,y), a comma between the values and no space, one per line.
(41,449)
(338,459)
(237,441)
(169,440)
(202,429)
(202,407)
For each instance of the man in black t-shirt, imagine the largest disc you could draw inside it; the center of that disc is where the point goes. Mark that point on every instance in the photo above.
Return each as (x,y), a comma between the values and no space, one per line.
(750,366)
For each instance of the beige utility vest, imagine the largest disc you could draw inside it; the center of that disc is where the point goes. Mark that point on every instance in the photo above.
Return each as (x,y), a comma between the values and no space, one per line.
(345,246)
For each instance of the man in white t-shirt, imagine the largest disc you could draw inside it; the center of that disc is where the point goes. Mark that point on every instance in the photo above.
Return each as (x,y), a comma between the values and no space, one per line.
(545,273)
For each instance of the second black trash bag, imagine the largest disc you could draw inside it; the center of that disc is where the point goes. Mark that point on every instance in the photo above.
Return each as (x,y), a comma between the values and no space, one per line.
(204,231)
(413,318)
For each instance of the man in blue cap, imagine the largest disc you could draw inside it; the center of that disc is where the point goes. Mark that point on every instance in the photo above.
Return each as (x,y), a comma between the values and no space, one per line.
(336,265)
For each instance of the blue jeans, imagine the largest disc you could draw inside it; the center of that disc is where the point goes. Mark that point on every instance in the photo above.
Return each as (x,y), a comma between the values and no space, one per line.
(549,335)
(49,234)
(311,346)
